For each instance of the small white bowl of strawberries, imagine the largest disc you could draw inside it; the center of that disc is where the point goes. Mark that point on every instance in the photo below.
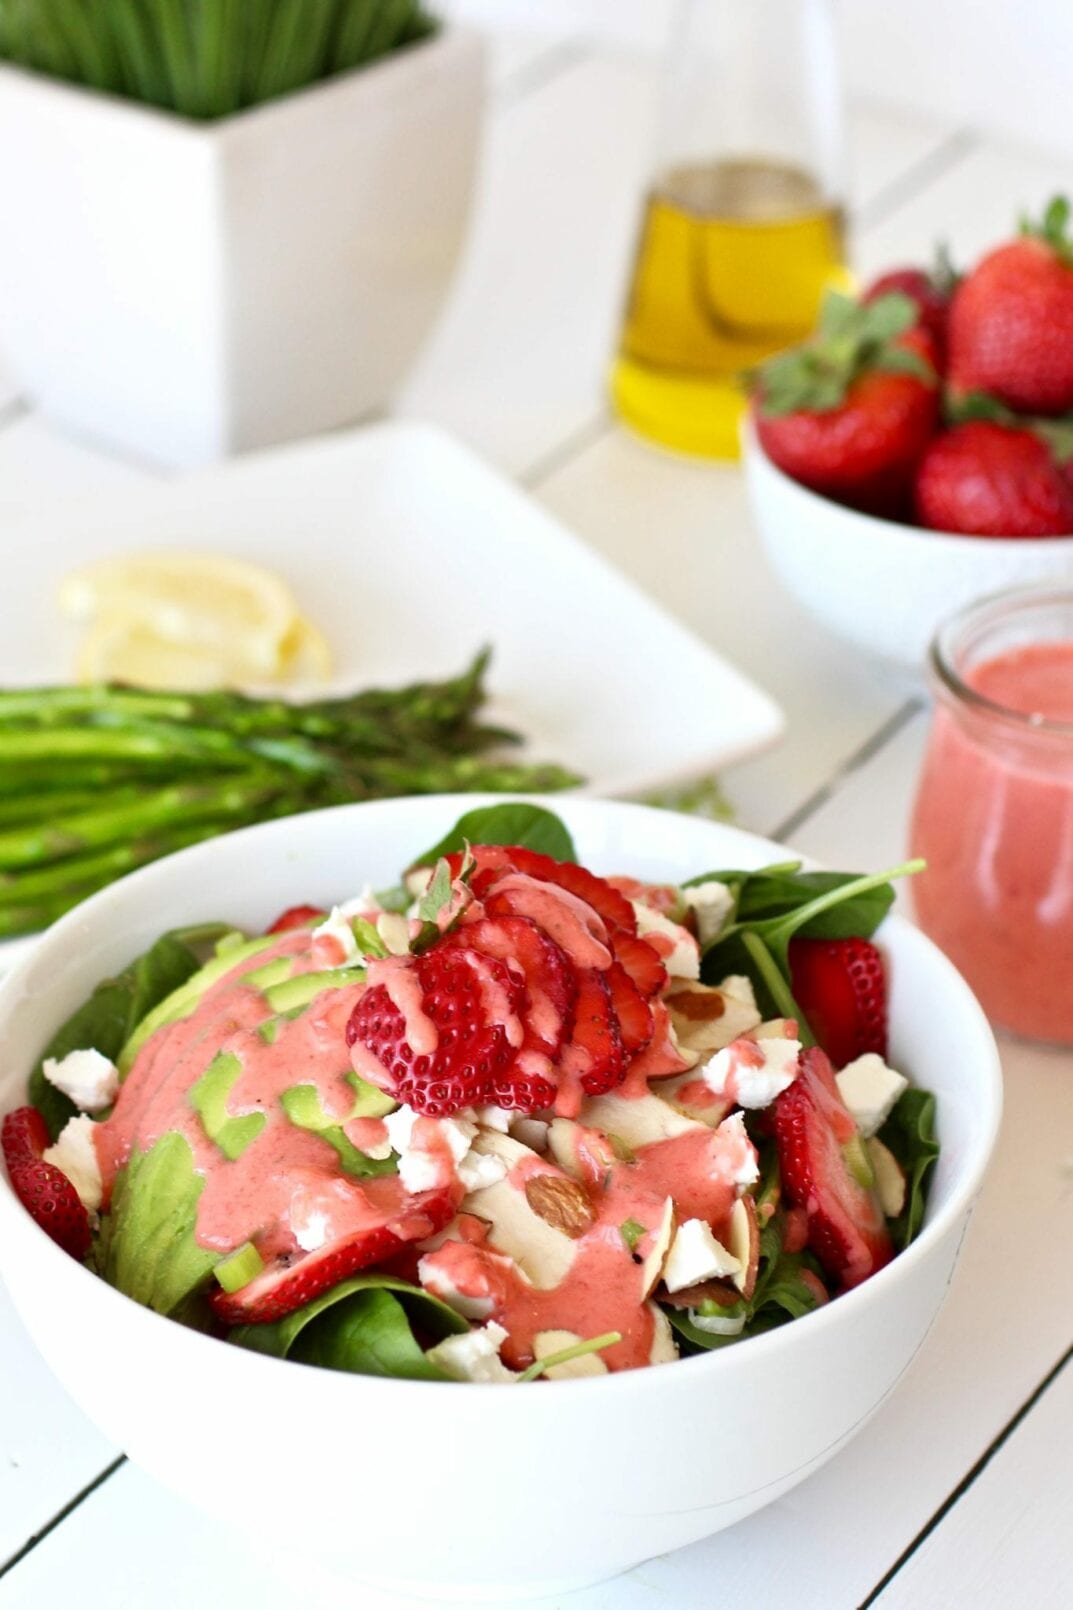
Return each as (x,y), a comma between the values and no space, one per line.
(917,452)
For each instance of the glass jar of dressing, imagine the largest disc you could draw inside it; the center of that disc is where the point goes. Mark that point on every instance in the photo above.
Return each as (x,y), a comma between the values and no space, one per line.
(994,812)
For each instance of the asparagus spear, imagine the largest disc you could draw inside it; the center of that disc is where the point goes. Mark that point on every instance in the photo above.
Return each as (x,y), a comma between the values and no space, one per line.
(99,780)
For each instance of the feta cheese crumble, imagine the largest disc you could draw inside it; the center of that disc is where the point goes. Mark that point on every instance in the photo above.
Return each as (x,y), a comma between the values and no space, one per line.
(753,1072)
(337,927)
(676,947)
(87,1077)
(870,1089)
(696,1255)
(439,1141)
(712,902)
(75,1155)
(739,1150)
(474,1356)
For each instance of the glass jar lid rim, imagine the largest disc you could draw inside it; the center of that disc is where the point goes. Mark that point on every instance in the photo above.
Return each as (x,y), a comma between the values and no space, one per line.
(995,606)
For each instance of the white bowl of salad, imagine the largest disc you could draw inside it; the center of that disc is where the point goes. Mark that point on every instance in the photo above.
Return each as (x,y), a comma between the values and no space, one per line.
(486,1195)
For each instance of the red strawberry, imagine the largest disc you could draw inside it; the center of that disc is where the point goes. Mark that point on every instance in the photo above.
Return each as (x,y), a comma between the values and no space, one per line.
(297,917)
(472,1049)
(662,897)
(550,980)
(840,987)
(640,961)
(493,860)
(527,1083)
(846,1228)
(993,480)
(594,1060)
(632,1011)
(1011,323)
(930,293)
(850,413)
(44,1191)
(288,1284)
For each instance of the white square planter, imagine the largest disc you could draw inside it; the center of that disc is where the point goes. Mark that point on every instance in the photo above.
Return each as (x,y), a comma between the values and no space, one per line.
(187,290)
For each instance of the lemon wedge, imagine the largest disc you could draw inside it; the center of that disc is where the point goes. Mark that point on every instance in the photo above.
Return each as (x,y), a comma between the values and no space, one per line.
(185,619)
(122,651)
(306,656)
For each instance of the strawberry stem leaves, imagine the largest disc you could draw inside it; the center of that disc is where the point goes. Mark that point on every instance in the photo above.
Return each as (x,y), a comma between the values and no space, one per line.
(1053,228)
(853,339)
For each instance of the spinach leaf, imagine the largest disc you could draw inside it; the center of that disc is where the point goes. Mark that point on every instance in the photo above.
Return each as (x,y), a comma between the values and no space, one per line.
(909,1132)
(364,1325)
(777,903)
(785,1293)
(106,1020)
(511,823)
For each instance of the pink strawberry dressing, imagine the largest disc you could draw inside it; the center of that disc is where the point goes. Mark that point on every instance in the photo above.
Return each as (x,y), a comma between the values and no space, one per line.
(565,918)
(994,821)
(285,1171)
(604,1286)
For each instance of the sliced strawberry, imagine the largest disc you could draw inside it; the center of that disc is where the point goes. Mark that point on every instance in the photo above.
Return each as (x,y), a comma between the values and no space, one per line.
(291,1283)
(638,958)
(297,917)
(493,860)
(666,898)
(550,980)
(632,1011)
(571,923)
(528,1083)
(23,1136)
(44,1190)
(469,998)
(594,1061)
(612,906)
(846,1228)
(840,987)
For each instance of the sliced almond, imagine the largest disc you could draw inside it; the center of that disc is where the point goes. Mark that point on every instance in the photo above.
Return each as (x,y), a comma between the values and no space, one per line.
(889,1178)
(701,1004)
(664,1347)
(532,1132)
(706,1291)
(584,1153)
(743,1241)
(706,1017)
(637,1122)
(547,1342)
(560,1202)
(543,1253)
(662,1236)
(688,1094)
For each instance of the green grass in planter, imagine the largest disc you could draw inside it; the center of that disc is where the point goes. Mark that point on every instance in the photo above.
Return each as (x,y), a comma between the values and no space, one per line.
(204,58)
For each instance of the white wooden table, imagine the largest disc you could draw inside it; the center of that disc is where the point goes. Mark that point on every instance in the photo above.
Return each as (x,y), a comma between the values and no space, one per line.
(957,1493)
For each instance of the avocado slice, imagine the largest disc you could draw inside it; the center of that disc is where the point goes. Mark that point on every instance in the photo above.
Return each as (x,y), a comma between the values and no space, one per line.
(209,1099)
(302,1105)
(183,1001)
(294,993)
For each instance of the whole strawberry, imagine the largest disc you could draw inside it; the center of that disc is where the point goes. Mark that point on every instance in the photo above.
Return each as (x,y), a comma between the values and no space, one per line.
(993,480)
(1011,323)
(44,1191)
(930,292)
(850,413)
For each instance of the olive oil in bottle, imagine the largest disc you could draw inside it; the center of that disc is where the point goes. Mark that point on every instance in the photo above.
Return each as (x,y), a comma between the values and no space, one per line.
(732,263)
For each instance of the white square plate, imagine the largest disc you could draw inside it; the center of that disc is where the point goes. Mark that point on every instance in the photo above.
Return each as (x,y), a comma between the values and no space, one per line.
(409,553)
